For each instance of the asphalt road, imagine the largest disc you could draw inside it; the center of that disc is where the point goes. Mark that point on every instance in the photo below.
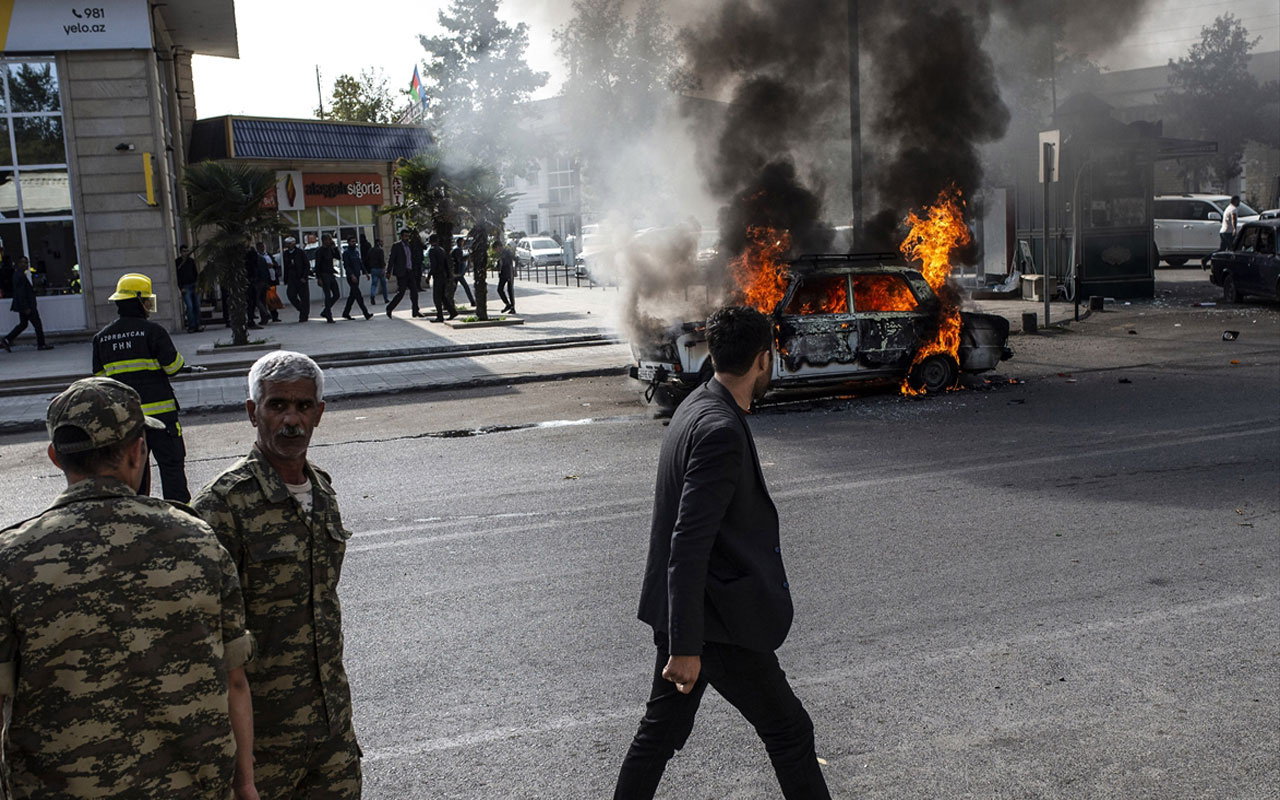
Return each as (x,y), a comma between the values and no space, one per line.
(1067,586)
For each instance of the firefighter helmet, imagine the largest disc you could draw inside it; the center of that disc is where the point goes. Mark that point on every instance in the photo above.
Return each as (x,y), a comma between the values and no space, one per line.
(133,285)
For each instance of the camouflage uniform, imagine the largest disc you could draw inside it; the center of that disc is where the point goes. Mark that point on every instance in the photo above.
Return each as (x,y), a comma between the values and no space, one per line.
(119,618)
(290,563)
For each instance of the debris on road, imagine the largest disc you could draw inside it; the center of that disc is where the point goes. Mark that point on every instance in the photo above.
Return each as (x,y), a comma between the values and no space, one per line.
(1230,336)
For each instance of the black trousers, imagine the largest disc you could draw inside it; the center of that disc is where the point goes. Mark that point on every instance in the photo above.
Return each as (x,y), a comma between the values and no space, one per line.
(509,296)
(355,296)
(299,294)
(753,683)
(24,317)
(329,285)
(171,456)
(441,296)
(462,281)
(409,283)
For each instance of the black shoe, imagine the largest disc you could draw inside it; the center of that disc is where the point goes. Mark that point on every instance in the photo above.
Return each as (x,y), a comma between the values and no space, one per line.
(453,315)
(416,314)
(389,314)
(367,315)
(302,319)
(253,327)
(275,317)
(438,319)
(328,317)
(45,347)
(5,344)
(347,316)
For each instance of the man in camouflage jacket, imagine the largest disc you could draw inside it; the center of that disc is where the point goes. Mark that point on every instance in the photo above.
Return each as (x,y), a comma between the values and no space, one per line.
(122,630)
(278,516)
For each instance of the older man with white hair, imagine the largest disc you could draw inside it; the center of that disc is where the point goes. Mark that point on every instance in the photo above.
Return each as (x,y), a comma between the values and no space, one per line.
(277,514)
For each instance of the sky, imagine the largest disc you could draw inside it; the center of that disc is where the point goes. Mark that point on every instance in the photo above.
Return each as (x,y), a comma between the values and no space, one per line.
(283,41)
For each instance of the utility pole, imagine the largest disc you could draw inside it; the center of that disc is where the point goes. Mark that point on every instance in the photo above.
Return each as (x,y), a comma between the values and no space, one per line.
(319,95)
(855,116)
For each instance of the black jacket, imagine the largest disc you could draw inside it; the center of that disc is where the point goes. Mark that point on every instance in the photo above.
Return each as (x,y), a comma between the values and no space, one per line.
(439,262)
(24,296)
(296,267)
(325,262)
(139,353)
(187,273)
(399,266)
(715,570)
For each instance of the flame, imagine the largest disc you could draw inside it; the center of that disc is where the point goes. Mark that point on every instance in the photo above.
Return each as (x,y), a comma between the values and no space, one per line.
(931,241)
(761,271)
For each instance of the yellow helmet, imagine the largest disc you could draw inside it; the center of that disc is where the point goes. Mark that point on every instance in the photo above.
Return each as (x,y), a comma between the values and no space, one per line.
(133,285)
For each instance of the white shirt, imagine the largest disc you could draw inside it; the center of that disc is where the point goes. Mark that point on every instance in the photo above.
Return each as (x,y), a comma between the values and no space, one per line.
(302,493)
(1230,218)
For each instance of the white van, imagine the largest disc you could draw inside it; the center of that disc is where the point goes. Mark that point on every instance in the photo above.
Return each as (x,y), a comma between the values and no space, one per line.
(1187,226)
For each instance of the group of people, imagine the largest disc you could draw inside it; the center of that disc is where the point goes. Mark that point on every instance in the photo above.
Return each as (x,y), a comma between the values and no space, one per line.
(209,658)
(153,649)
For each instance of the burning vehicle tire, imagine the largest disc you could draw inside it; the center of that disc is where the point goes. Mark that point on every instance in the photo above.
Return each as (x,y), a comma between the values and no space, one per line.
(935,374)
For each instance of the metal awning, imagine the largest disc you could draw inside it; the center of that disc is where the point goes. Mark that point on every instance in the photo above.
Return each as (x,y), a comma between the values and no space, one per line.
(207,27)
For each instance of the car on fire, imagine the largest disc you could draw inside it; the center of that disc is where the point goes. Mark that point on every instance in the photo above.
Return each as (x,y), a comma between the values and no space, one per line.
(822,339)
(1252,265)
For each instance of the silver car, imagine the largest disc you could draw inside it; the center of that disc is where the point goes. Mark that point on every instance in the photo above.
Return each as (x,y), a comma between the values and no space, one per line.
(1187,226)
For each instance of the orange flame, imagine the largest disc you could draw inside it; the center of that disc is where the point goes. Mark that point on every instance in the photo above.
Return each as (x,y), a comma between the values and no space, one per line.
(932,239)
(761,271)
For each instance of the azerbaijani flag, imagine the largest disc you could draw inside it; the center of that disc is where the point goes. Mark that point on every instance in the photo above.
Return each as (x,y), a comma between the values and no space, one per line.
(415,89)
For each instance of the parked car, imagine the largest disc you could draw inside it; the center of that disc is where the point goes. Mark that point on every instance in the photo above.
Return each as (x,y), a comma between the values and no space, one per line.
(1187,226)
(1270,213)
(820,338)
(1252,265)
(539,251)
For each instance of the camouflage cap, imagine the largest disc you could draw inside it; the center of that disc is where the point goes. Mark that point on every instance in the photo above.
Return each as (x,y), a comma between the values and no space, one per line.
(93,413)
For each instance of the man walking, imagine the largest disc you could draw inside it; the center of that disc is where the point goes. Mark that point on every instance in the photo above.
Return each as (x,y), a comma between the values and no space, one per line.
(277,514)
(187,275)
(441,278)
(268,276)
(458,260)
(257,300)
(296,273)
(377,272)
(715,591)
(1230,222)
(506,278)
(405,264)
(122,629)
(24,305)
(140,354)
(353,266)
(327,276)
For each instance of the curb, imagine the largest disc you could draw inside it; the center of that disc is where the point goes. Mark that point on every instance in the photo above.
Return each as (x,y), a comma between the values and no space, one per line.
(217,408)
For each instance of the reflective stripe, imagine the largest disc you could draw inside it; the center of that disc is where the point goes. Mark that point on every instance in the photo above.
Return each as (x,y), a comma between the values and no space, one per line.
(173,368)
(162,407)
(131,365)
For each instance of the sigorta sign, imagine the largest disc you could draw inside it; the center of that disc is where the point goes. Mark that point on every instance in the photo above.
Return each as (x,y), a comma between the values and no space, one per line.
(296,190)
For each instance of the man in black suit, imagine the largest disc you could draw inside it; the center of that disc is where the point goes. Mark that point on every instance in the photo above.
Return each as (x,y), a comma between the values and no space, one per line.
(441,279)
(405,264)
(715,591)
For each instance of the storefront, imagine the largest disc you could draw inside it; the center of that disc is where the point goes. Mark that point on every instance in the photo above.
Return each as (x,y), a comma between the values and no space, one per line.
(94,104)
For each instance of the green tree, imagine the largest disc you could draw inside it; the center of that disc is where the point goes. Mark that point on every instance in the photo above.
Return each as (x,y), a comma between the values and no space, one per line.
(476,79)
(1214,96)
(445,198)
(366,98)
(225,210)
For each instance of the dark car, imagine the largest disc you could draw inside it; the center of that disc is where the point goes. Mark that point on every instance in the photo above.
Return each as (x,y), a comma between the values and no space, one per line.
(821,338)
(1252,265)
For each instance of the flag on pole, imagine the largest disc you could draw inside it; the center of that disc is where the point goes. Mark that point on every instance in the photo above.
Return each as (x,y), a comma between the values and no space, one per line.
(415,89)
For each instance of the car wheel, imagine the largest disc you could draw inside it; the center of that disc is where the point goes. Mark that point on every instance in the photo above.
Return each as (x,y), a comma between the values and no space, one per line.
(1176,261)
(1229,292)
(937,373)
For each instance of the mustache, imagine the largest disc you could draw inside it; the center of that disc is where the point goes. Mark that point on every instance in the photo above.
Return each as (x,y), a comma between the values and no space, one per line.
(292,431)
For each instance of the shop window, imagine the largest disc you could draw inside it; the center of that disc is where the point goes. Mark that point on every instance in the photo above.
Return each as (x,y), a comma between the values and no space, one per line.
(328,217)
(39,140)
(33,87)
(45,193)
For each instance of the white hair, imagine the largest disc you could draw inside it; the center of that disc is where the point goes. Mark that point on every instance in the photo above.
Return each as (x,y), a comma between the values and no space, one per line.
(284,365)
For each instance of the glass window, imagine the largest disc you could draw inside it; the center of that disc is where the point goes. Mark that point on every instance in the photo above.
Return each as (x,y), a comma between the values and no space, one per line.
(882,293)
(364,215)
(309,218)
(6,153)
(822,294)
(8,195)
(45,193)
(39,140)
(328,217)
(33,87)
(1249,240)
(51,246)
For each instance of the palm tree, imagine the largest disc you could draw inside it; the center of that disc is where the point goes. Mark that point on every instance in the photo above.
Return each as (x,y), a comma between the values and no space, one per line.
(446,198)
(226,200)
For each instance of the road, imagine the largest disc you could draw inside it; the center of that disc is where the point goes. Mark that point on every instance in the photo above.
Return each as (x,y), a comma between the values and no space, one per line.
(1064,586)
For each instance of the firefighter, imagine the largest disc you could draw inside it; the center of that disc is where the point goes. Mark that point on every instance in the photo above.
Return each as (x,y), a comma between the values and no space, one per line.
(139,353)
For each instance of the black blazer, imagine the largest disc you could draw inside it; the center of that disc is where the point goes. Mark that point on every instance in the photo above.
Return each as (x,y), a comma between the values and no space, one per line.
(715,569)
(399,266)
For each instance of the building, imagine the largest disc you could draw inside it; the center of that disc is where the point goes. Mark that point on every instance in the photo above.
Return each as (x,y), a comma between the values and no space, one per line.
(97,108)
(549,198)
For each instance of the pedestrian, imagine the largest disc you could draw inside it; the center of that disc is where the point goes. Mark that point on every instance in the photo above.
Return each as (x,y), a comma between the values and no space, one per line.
(297,271)
(458,260)
(715,590)
(122,629)
(441,277)
(506,278)
(187,276)
(257,306)
(138,352)
(353,266)
(569,253)
(405,264)
(1230,222)
(377,265)
(24,305)
(277,514)
(268,276)
(327,257)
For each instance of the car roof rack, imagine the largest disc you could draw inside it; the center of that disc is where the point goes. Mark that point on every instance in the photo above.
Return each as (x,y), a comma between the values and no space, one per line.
(820,258)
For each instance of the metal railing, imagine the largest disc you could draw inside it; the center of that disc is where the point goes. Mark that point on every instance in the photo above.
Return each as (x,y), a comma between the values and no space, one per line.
(560,275)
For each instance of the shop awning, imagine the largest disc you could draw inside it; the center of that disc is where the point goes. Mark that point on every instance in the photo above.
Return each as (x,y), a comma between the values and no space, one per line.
(265,139)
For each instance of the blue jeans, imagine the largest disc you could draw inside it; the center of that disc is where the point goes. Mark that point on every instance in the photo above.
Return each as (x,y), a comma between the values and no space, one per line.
(377,277)
(191,298)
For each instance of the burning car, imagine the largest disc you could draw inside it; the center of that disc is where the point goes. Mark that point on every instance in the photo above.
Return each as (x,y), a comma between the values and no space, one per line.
(843,318)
